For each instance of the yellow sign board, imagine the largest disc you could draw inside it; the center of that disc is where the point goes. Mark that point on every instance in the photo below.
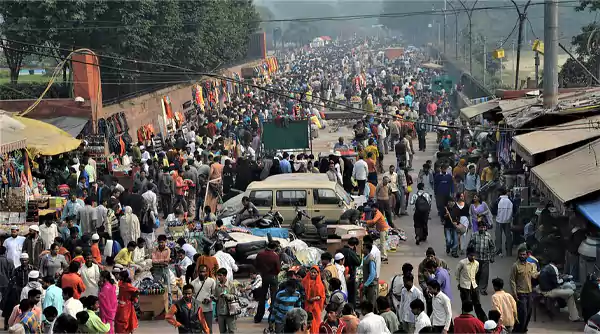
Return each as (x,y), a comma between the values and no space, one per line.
(538,46)
(498,53)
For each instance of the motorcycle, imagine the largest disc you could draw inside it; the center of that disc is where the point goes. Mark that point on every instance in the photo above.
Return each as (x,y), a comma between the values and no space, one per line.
(299,229)
(269,220)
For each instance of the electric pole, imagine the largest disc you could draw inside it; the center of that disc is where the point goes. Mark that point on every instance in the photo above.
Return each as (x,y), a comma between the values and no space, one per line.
(484,60)
(469,14)
(444,27)
(550,54)
(522,18)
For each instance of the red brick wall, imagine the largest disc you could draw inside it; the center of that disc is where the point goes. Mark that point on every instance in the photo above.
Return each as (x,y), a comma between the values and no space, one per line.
(48,108)
(147,109)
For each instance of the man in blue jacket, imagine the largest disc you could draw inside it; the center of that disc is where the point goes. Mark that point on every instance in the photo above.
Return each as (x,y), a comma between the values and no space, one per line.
(443,186)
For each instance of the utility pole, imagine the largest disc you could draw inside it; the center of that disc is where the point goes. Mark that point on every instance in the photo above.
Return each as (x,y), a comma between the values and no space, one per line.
(522,18)
(484,60)
(455,27)
(469,15)
(537,69)
(550,54)
(444,27)
(513,58)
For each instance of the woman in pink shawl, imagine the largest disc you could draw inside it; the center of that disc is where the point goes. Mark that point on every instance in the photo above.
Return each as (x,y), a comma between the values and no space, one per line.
(107,298)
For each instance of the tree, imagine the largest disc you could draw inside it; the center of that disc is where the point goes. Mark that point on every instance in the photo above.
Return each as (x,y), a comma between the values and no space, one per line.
(16,24)
(195,34)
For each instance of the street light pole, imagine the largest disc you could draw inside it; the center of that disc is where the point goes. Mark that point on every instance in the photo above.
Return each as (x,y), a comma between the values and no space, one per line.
(550,54)
(469,14)
(455,28)
(522,18)
(445,27)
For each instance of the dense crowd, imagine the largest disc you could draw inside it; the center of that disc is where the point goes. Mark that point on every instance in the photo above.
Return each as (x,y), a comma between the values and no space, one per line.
(74,274)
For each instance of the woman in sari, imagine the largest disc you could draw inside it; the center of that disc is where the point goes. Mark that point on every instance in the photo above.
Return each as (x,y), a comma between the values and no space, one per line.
(126,320)
(315,297)
(479,209)
(107,299)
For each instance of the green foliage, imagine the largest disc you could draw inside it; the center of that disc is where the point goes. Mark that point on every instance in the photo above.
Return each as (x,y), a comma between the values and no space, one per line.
(195,34)
(29,90)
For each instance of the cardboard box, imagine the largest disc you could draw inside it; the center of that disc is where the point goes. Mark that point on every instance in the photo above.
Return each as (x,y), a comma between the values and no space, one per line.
(155,304)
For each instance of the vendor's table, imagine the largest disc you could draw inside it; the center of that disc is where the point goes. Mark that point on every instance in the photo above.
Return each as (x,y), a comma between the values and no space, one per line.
(154,305)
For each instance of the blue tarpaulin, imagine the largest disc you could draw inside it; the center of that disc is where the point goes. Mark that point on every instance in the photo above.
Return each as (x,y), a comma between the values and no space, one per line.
(275,232)
(590,210)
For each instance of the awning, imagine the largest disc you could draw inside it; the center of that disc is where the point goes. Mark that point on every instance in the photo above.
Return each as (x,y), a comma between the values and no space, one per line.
(12,136)
(478,109)
(46,139)
(432,66)
(569,176)
(69,124)
(529,144)
(590,210)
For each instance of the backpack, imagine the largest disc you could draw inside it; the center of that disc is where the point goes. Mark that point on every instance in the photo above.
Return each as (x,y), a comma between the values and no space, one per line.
(494,208)
(422,204)
(391,295)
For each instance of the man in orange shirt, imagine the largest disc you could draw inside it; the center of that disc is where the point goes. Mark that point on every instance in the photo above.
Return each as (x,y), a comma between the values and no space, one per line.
(96,250)
(73,280)
(381,226)
(211,263)
(186,314)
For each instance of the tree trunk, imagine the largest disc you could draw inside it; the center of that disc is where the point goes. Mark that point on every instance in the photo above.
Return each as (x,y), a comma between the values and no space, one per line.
(14,74)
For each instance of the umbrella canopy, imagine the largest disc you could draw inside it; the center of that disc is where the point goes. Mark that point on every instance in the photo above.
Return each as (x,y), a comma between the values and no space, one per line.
(46,139)
(12,136)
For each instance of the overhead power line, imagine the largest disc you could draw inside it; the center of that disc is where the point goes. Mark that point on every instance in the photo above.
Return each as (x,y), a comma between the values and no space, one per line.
(305,19)
(343,107)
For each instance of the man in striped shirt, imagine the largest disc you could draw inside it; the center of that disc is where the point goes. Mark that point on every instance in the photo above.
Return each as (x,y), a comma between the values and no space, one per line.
(284,301)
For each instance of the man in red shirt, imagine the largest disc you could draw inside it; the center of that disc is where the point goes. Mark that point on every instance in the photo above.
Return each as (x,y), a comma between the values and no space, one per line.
(466,323)
(268,265)
(73,280)
(431,113)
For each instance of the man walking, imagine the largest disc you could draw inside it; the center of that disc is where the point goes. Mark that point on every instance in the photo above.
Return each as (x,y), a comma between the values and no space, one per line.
(466,273)
(268,265)
(370,279)
(503,223)
(360,173)
(422,204)
(472,184)
(504,303)
(352,261)
(166,189)
(484,253)
(421,132)
(382,193)
(521,274)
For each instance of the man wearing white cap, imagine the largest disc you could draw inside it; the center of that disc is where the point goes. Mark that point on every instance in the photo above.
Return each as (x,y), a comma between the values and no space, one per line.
(33,245)
(14,245)
(339,264)
(33,284)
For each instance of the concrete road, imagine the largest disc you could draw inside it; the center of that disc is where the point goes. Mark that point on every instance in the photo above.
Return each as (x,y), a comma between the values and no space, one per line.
(409,252)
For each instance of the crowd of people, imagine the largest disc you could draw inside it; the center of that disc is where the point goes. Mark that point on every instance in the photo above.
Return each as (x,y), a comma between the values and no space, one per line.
(74,274)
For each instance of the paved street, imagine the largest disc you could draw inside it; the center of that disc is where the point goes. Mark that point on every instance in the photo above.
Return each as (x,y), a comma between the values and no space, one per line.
(409,252)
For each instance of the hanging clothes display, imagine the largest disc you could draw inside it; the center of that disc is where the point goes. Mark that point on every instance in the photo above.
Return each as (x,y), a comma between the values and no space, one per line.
(168,107)
(198,96)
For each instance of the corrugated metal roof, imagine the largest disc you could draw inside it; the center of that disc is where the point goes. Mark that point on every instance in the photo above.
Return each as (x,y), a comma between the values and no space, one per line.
(571,175)
(478,109)
(554,137)
(519,112)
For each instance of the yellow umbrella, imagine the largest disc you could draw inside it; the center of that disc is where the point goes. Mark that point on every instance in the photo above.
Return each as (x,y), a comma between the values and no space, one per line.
(46,139)
(12,136)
